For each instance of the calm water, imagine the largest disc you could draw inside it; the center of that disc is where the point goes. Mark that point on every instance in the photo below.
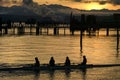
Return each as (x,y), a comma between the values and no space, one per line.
(15,50)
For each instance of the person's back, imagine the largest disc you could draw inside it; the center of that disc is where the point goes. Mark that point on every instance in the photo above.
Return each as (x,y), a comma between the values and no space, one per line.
(67,61)
(37,63)
(52,62)
(84,60)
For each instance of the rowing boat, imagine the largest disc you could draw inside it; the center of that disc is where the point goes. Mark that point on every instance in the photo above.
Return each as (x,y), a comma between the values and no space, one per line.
(58,67)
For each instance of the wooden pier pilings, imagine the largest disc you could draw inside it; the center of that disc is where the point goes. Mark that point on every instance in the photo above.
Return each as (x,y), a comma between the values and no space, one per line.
(37,30)
(86,23)
(81,40)
(117,24)
(117,38)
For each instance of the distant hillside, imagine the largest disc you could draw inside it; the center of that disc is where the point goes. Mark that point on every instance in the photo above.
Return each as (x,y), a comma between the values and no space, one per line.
(53,12)
(16,10)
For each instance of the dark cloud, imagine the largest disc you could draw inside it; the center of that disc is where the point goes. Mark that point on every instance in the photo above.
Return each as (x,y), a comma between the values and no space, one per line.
(102,2)
(77,0)
(116,2)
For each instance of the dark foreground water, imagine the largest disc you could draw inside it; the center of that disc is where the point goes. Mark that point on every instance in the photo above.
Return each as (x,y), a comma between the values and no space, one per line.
(16,50)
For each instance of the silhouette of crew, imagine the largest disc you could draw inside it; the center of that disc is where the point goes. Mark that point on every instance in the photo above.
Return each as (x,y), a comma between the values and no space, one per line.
(52,62)
(37,63)
(84,60)
(67,61)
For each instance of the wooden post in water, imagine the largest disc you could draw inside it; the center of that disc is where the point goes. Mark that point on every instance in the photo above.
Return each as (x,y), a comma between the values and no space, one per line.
(21,30)
(81,40)
(64,31)
(72,32)
(47,30)
(40,30)
(55,31)
(98,32)
(14,30)
(30,29)
(37,30)
(117,23)
(89,31)
(107,31)
(0,26)
(117,38)
(6,30)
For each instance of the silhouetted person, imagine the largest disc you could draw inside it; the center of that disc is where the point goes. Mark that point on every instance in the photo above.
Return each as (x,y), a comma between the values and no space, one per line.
(37,63)
(67,61)
(84,60)
(52,62)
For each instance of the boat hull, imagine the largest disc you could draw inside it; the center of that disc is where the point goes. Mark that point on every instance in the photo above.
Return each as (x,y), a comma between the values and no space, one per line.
(58,67)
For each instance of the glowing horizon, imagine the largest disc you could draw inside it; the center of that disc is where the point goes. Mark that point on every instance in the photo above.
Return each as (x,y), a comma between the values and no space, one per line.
(78,4)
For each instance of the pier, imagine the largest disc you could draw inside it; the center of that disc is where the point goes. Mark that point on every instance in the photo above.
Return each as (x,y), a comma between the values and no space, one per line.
(30,26)
(91,24)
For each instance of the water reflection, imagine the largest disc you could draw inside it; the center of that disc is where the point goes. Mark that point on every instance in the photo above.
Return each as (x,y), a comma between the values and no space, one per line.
(84,73)
(117,53)
(67,74)
(81,52)
(51,75)
(37,75)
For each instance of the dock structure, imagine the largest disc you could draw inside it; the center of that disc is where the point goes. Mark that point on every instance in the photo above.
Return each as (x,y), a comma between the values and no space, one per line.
(92,23)
(19,24)
(89,23)
(83,23)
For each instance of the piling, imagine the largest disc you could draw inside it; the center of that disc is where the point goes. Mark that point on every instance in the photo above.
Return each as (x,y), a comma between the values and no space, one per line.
(56,31)
(107,31)
(0,25)
(6,30)
(37,30)
(47,31)
(81,40)
(72,32)
(98,32)
(117,24)
(21,30)
(31,30)
(117,38)
(89,31)
(40,31)
(14,30)
(64,31)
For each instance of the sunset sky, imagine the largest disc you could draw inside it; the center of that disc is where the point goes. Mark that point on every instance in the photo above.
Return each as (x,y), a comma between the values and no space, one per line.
(79,4)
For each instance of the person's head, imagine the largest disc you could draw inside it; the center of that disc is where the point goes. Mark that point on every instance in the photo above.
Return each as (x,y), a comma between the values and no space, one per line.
(84,56)
(52,57)
(67,57)
(36,58)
